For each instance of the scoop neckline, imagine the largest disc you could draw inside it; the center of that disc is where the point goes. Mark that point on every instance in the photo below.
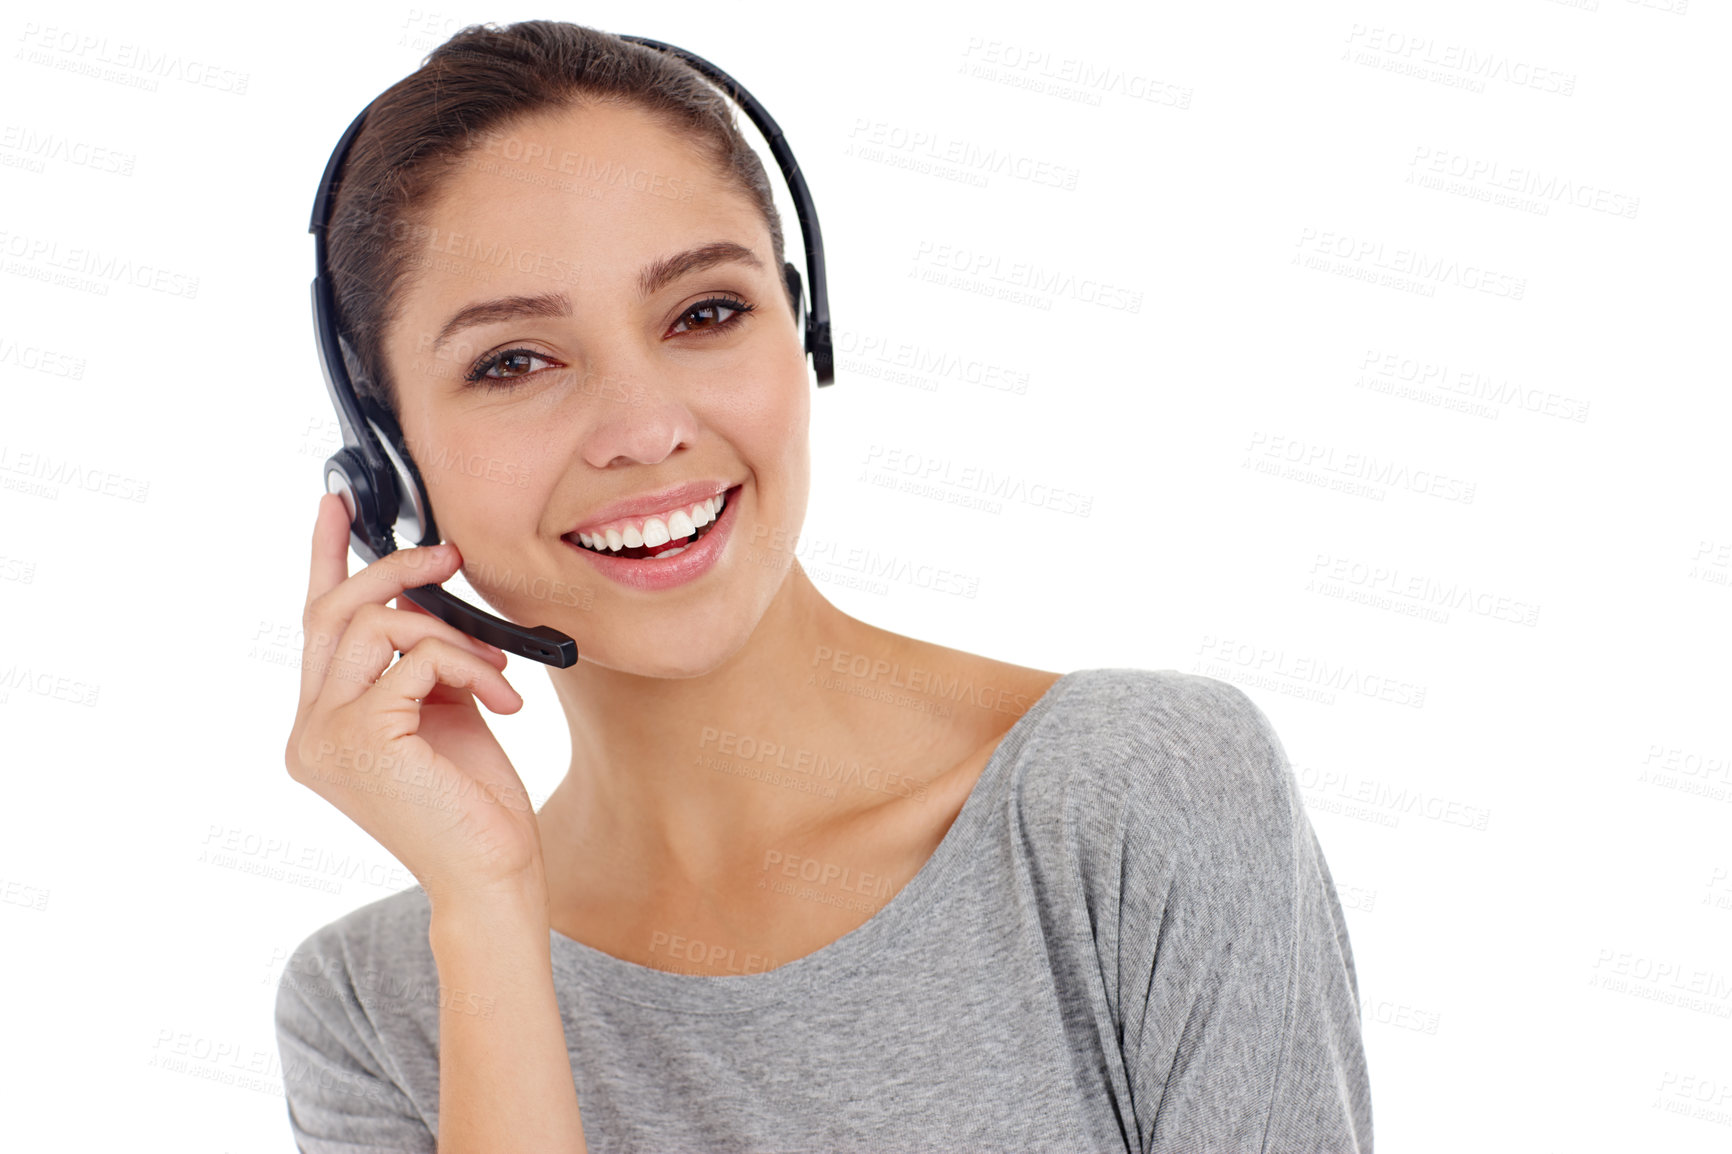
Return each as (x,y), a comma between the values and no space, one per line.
(600,972)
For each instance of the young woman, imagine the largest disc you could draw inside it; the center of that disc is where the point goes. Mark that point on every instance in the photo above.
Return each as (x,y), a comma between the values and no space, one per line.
(807,883)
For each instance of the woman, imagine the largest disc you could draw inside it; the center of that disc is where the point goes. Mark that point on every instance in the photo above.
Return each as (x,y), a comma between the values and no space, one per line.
(807,884)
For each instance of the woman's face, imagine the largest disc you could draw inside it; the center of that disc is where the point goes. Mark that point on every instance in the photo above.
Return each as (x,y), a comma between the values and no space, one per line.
(617,382)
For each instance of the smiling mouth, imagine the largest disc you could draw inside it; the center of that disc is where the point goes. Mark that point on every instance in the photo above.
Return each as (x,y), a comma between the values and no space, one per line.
(668,548)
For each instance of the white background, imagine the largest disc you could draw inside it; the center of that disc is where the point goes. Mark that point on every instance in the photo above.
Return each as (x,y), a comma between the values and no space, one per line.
(1508,714)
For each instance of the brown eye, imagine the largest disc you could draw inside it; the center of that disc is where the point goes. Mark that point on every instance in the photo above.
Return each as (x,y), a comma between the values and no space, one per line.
(514,364)
(712,316)
(498,370)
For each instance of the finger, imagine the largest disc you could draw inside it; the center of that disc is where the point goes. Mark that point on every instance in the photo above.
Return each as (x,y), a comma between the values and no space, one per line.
(375,635)
(486,648)
(330,568)
(329,614)
(434,661)
(330,547)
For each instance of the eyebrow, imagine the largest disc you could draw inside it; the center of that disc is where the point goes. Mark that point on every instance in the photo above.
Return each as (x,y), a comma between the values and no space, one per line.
(671,268)
(655,277)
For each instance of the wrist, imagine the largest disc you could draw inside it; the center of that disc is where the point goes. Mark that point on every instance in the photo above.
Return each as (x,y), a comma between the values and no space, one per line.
(494,910)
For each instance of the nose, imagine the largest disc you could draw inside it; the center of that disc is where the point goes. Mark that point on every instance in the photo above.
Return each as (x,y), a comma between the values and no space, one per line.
(641,420)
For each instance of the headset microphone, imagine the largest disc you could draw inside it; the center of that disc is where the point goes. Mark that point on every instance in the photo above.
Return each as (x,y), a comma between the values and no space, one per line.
(373,471)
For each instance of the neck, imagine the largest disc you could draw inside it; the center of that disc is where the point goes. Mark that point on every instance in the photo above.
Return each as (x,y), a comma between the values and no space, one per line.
(699,775)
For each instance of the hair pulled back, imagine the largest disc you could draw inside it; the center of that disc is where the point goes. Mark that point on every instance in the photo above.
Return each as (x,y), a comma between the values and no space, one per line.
(426,126)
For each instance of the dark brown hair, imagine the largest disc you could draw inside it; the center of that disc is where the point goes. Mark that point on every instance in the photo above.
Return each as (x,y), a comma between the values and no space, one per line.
(483,78)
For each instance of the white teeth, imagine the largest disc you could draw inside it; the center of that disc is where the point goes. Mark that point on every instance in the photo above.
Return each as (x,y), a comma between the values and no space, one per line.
(655,531)
(671,552)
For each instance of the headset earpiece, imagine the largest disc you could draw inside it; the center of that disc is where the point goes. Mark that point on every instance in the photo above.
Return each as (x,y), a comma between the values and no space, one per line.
(407,509)
(414,516)
(797,294)
(348,476)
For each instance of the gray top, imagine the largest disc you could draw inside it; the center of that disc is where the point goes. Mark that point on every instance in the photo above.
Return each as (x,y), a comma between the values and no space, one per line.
(1127,940)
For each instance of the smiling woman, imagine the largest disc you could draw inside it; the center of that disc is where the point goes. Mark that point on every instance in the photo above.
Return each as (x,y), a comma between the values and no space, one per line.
(806,883)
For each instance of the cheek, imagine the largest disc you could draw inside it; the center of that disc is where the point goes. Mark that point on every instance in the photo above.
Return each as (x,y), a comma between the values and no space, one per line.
(781,434)
(782,419)
(479,478)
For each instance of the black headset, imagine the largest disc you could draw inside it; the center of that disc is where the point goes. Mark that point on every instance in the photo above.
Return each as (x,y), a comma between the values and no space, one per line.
(373,472)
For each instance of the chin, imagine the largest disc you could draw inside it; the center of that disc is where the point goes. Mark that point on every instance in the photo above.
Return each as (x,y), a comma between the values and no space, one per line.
(638,638)
(677,651)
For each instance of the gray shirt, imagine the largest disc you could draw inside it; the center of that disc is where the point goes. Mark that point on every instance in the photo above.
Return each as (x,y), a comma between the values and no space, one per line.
(1127,940)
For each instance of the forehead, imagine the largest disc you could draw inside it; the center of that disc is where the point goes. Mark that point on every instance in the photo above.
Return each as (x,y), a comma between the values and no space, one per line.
(591,192)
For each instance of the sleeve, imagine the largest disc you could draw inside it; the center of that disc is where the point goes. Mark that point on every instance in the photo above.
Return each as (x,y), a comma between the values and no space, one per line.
(341,1100)
(1241,1021)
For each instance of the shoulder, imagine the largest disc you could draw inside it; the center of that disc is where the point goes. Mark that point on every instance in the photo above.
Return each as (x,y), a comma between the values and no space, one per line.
(357,1019)
(376,958)
(1212,918)
(1168,778)
(1180,758)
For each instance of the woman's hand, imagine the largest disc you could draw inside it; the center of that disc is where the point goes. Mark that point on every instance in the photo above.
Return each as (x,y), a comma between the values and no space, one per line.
(401,748)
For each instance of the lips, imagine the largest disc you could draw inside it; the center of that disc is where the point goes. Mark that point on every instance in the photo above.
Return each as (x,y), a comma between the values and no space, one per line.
(652,535)
(674,543)
(673,562)
(662,503)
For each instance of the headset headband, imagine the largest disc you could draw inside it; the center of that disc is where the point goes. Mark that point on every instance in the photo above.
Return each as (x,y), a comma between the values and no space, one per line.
(374,473)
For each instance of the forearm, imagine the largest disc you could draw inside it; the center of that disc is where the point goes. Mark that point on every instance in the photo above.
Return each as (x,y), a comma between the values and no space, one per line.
(505,1082)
